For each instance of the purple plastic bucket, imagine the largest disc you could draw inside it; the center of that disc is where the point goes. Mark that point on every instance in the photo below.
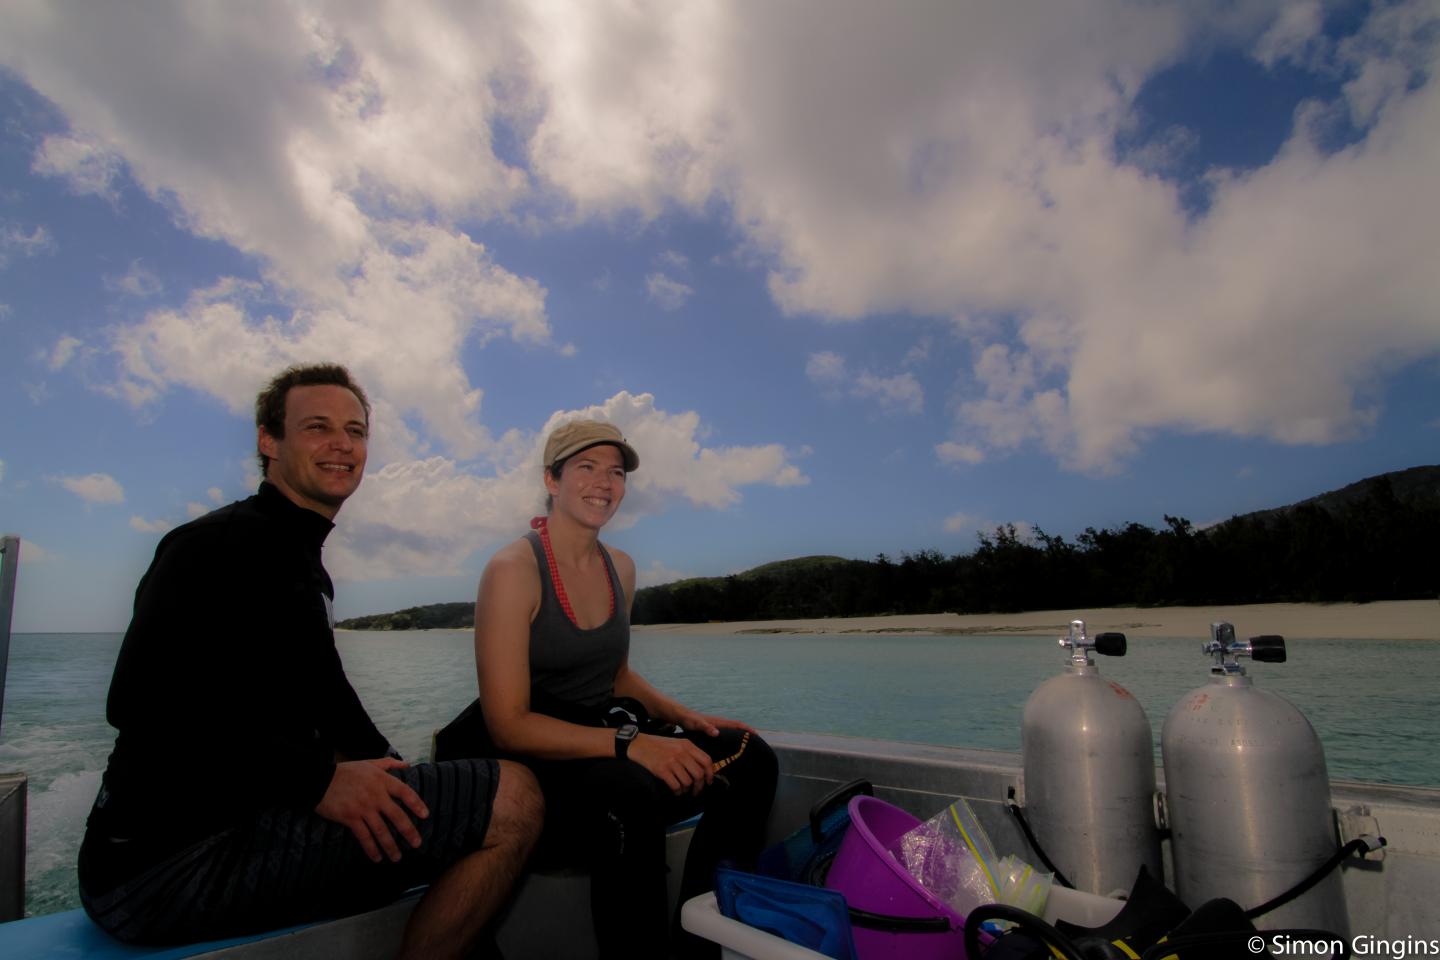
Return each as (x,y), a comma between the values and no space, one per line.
(873,880)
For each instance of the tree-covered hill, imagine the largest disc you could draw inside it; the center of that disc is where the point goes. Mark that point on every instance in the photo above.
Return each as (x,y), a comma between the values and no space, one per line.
(429,617)
(1371,540)
(1415,488)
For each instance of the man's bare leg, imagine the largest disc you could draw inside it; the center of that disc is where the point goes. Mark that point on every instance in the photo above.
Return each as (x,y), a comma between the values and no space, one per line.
(449,919)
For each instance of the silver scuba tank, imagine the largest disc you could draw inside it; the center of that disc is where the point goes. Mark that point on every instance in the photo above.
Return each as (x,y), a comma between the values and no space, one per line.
(1089,760)
(1247,795)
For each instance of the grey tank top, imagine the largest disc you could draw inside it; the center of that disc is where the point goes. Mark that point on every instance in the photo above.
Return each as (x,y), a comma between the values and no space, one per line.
(567,662)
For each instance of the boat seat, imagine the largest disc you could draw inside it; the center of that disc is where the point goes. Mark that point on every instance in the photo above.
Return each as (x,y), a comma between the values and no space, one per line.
(71,936)
(548,916)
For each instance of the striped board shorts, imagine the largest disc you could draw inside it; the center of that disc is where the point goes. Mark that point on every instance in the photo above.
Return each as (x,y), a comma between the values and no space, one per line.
(286,866)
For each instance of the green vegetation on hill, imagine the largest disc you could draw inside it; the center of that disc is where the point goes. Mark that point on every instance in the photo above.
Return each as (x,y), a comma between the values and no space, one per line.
(430,617)
(1372,540)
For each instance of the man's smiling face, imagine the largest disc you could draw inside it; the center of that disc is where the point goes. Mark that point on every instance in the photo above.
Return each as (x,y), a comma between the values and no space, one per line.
(320,460)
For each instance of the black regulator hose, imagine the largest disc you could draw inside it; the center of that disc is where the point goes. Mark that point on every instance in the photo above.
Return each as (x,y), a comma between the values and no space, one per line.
(1014,808)
(1361,845)
(1061,945)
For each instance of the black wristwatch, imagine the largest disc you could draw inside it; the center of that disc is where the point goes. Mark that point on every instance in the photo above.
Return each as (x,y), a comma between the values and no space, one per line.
(624,736)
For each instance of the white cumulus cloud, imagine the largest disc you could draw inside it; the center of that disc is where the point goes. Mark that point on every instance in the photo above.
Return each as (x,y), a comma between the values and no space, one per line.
(1294,34)
(94,488)
(936,160)
(428,515)
(901,393)
(15,240)
(952,452)
(668,292)
(141,525)
(63,352)
(139,281)
(360,141)
(825,367)
(86,166)
(959,159)
(440,287)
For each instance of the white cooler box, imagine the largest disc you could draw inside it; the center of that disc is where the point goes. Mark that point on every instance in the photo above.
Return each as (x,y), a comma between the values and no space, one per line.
(701,916)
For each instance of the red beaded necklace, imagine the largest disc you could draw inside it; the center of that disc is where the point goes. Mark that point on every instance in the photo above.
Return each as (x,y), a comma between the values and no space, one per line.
(540,524)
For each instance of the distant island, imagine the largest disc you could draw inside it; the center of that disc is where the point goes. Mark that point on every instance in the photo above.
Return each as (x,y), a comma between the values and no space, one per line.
(434,616)
(1371,540)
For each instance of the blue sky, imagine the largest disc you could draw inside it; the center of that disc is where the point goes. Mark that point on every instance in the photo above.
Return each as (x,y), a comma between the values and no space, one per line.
(854,278)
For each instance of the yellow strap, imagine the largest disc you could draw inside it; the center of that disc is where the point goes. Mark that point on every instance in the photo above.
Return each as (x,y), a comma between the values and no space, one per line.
(1126,949)
(994,888)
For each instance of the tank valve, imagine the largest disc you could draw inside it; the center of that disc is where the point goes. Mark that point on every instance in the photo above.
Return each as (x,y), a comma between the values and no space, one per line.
(1267,648)
(1106,644)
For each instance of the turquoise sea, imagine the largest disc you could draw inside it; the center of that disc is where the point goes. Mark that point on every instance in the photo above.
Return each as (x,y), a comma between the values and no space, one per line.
(1371,701)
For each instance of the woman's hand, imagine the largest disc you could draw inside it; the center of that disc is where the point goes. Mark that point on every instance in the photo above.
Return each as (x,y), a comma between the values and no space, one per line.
(679,763)
(709,724)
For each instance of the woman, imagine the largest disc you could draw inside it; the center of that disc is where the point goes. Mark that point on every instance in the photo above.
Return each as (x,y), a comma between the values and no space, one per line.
(552,640)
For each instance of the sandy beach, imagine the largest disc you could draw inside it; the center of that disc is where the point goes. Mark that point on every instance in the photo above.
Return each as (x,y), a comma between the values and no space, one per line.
(1386,620)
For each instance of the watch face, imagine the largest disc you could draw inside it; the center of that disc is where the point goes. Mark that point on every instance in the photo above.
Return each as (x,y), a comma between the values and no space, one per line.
(624,736)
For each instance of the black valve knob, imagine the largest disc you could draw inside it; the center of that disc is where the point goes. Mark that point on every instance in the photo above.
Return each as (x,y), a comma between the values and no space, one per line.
(1110,644)
(1269,648)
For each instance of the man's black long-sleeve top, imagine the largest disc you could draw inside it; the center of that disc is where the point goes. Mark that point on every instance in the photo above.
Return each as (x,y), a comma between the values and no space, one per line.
(228,693)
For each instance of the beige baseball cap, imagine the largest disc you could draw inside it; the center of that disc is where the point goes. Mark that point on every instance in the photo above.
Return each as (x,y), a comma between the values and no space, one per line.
(570,438)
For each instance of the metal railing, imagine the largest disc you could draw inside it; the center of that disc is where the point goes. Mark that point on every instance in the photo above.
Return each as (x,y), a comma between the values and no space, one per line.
(13,789)
(12,785)
(9,562)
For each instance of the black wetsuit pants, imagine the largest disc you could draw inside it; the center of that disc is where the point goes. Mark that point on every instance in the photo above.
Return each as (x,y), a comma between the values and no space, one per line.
(612,815)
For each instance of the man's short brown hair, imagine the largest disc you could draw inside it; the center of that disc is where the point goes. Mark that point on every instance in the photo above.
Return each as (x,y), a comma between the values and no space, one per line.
(270,404)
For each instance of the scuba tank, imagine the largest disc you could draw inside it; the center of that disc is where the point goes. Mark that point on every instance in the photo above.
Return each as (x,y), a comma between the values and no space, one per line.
(1090,772)
(1247,794)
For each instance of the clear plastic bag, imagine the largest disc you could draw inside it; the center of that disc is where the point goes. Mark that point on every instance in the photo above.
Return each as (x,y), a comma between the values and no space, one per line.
(1021,885)
(951,856)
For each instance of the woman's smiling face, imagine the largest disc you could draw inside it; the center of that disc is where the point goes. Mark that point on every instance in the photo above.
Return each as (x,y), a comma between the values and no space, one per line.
(591,485)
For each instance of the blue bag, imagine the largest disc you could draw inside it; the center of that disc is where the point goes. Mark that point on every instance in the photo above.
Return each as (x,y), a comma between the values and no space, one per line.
(810,917)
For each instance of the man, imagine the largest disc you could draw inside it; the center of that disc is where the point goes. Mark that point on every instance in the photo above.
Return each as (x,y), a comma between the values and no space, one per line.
(248,788)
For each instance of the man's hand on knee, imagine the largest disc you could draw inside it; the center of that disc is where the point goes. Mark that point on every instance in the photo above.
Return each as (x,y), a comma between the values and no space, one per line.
(363,797)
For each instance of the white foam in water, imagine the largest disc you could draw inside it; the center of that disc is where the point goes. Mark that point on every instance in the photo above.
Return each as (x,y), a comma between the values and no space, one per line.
(57,820)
